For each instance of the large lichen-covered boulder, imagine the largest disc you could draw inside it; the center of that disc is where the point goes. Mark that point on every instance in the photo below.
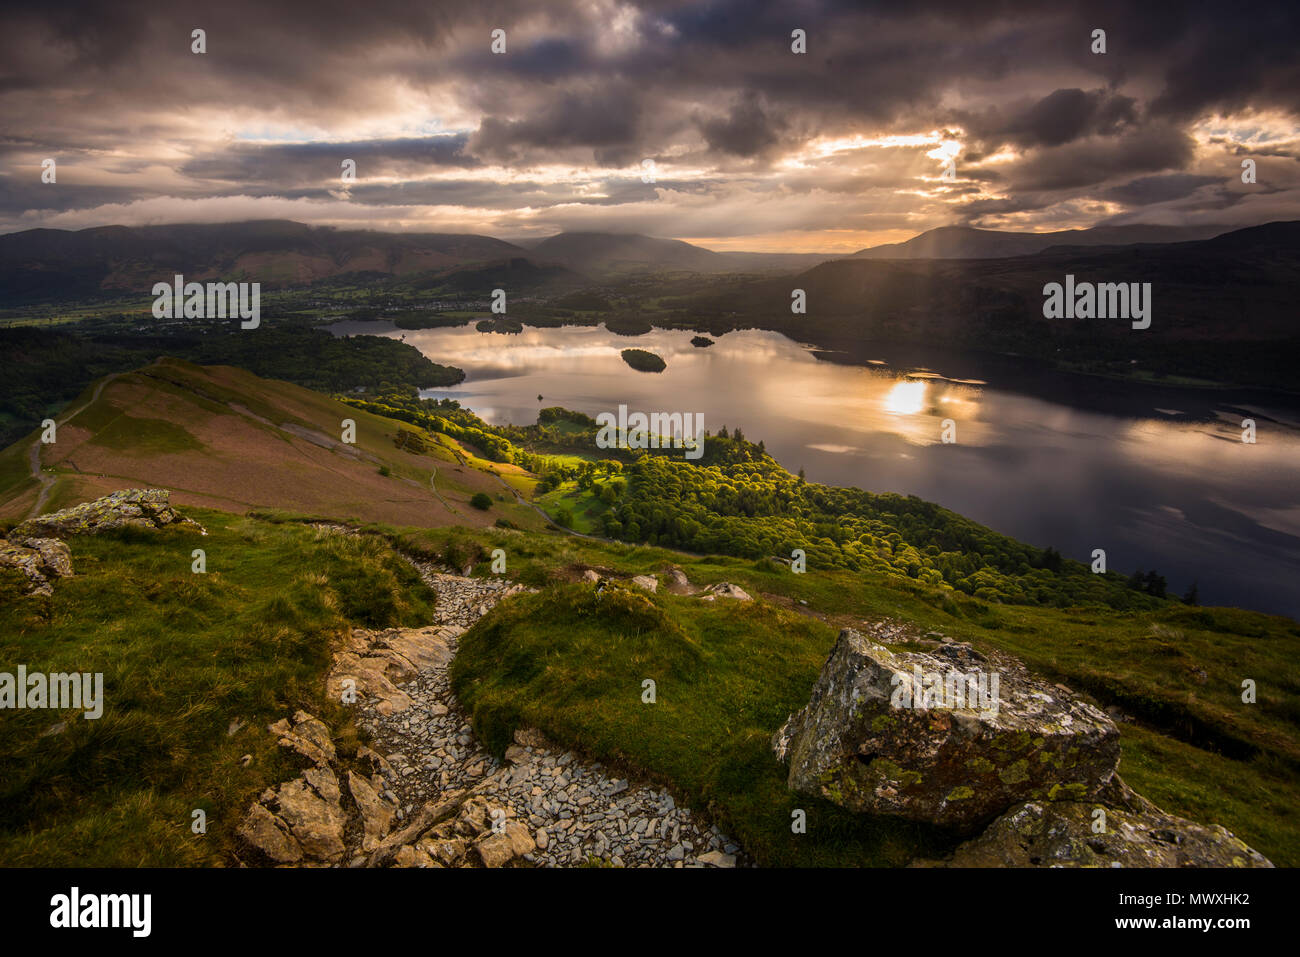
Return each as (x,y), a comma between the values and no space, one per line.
(147,507)
(887,732)
(1123,829)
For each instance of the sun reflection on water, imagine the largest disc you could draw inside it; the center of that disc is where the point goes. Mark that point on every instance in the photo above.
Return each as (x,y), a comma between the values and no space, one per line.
(906,397)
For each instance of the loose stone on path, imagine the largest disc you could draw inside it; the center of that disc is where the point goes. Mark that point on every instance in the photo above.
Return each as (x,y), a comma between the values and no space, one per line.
(434,797)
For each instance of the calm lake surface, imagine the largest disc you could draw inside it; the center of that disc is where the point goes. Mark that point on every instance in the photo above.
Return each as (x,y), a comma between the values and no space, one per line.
(1158,477)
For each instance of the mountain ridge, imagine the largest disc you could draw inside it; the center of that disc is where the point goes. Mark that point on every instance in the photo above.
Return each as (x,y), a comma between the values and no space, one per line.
(968,242)
(46,265)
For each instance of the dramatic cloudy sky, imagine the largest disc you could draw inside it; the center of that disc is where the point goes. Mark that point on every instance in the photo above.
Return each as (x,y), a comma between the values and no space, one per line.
(754,146)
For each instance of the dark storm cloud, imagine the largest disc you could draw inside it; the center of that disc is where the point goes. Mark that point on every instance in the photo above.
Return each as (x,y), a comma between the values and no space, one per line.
(292,164)
(976,211)
(884,56)
(604,120)
(1230,58)
(1159,189)
(747,130)
(17,196)
(1087,162)
(1058,118)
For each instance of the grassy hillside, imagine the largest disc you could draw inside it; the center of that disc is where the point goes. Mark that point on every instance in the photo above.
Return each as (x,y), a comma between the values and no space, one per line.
(183,656)
(223,438)
(44,368)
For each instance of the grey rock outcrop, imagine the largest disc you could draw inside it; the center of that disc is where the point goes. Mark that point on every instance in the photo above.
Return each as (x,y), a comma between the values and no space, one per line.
(374,662)
(303,819)
(1129,831)
(40,560)
(678,583)
(885,733)
(145,507)
(1028,765)
(725,590)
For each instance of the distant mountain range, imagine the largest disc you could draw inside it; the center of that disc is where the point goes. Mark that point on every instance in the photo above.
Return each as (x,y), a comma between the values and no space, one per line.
(1223,308)
(52,264)
(57,265)
(1238,285)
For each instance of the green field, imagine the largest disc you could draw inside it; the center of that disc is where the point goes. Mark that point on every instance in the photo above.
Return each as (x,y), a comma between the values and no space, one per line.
(587,510)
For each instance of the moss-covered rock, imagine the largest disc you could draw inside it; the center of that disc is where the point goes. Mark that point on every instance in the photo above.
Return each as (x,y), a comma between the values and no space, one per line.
(40,560)
(886,733)
(1119,829)
(147,507)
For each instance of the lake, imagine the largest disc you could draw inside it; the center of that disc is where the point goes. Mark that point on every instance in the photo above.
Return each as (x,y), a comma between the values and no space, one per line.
(1158,477)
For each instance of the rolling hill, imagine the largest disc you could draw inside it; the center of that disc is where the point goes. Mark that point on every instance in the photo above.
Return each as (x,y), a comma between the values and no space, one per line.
(219,437)
(43,264)
(595,252)
(615,253)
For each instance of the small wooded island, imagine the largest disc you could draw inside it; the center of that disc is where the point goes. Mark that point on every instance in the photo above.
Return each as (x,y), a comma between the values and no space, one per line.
(701,342)
(644,361)
(507,326)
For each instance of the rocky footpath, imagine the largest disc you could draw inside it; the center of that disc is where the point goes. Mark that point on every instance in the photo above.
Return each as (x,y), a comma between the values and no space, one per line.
(429,795)
(35,549)
(978,744)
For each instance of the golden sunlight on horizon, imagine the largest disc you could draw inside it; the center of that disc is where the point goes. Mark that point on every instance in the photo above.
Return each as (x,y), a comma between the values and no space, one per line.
(832,242)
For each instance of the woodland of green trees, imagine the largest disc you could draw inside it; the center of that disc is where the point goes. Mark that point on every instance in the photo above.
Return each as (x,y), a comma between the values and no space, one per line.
(737,500)
(752,507)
